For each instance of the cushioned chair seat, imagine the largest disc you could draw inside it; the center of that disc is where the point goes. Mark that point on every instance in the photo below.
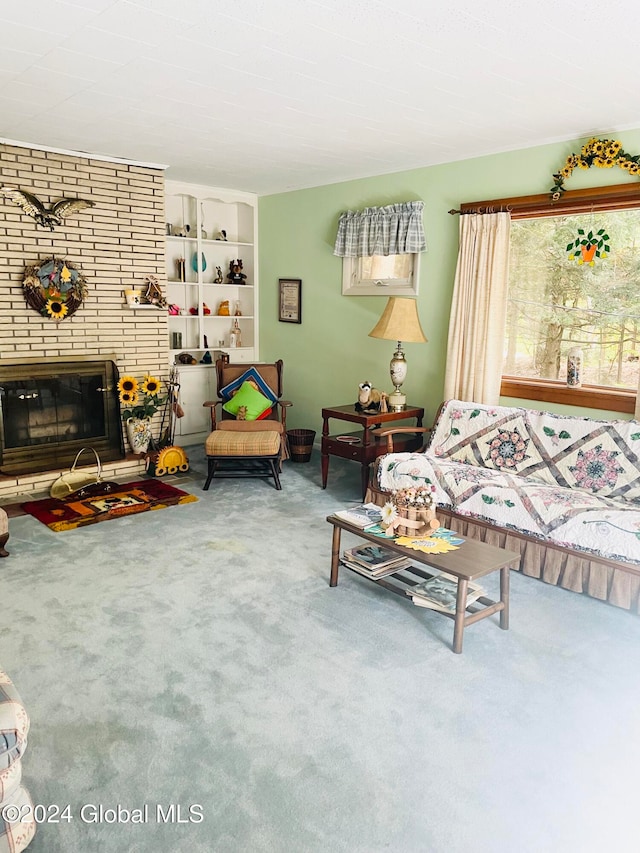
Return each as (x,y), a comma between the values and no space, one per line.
(233,452)
(14,727)
(224,442)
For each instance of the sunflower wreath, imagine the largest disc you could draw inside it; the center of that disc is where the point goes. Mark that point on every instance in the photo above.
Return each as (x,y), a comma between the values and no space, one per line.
(603,153)
(54,288)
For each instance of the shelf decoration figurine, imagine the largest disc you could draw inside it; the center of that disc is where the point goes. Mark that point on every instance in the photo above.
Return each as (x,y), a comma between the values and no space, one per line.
(206,358)
(223,308)
(180,269)
(235,338)
(153,294)
(222,235)
(219,277)
(235,274)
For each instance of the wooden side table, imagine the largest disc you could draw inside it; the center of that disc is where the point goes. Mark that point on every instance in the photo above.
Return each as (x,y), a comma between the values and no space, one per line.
(364,447)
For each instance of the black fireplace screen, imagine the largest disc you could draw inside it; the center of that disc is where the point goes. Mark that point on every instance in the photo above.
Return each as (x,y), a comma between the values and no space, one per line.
(49,411)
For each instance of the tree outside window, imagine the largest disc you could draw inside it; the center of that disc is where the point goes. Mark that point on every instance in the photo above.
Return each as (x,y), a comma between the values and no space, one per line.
(557,301)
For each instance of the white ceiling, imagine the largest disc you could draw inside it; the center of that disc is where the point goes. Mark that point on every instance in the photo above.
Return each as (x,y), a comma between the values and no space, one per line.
(272,95)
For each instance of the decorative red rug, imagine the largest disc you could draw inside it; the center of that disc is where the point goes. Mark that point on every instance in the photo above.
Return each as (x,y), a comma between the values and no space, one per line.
(124,499)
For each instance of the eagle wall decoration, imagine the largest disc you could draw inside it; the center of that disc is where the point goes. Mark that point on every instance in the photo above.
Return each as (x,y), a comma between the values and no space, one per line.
(33,207)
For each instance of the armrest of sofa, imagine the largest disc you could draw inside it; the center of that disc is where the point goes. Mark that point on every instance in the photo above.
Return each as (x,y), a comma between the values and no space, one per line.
(389,432)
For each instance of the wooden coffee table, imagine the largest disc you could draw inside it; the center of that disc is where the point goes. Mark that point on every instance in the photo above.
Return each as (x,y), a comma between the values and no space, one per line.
(470,561)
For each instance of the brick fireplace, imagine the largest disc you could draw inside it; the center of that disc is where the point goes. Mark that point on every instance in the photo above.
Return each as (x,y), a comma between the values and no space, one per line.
(116,244)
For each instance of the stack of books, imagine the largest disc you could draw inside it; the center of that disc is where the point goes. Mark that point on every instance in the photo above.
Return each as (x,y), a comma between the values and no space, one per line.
(374,561)
(439,593)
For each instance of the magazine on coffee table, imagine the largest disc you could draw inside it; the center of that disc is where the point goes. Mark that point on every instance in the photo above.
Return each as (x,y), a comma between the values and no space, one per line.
(376,574)
(373,556)
(440,591)
(362,516)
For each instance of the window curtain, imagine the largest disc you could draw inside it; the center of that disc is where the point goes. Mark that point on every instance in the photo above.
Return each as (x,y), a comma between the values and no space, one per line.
(392,230)
(477,322)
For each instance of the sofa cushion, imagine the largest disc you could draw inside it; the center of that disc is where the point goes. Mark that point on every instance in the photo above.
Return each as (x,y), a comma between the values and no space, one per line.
(14,727)
(250,375)
(16,836)
(255,403)
(595,456)
(14,723)
(566,517)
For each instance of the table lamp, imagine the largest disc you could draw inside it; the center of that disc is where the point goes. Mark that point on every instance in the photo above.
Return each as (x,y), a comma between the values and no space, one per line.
(399,322)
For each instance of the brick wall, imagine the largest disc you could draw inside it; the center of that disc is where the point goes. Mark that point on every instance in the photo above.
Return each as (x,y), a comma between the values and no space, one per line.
(115,244)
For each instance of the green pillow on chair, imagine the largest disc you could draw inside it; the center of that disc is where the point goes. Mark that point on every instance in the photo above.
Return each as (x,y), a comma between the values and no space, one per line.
(255,402)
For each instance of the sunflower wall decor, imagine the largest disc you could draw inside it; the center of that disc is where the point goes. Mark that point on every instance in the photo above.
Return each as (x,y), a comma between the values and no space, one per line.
(54,288)
(603,153)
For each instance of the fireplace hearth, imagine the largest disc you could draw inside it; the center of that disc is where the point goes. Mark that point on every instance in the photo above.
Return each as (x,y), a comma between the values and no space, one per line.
(49,411)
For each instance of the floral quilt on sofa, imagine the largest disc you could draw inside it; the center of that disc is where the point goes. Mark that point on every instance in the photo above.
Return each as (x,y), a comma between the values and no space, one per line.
(569,480)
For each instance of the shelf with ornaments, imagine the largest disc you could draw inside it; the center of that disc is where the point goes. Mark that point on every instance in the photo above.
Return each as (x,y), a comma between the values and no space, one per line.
(211,259)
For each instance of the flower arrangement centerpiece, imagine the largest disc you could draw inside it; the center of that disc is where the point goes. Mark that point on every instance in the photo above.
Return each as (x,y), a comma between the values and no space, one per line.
(411,512)
(141,400)
(603,153)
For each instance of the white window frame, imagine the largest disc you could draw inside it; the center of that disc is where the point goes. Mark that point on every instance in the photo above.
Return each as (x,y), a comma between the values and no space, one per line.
(354,285)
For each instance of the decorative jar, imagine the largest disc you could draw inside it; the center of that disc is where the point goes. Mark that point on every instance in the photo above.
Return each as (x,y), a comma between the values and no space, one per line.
(139,434)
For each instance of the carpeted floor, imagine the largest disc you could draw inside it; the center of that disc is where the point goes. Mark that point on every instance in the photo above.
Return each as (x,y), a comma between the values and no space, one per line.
(198,657)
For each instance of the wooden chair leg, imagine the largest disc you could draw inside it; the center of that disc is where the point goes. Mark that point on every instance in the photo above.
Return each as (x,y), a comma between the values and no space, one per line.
(274,471)
(210,472)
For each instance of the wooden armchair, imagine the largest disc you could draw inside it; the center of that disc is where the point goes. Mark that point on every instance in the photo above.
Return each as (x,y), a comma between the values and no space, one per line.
(247,448)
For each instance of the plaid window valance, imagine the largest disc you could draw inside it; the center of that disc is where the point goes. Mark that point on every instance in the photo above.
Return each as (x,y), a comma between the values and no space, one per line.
(395,229)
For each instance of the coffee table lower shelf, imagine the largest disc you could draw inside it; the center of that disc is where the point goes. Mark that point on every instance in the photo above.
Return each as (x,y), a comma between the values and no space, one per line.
(472,560)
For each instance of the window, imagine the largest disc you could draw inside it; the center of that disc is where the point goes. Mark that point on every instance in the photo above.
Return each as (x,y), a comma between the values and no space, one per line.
(556,303)
(380,247)
(381,275)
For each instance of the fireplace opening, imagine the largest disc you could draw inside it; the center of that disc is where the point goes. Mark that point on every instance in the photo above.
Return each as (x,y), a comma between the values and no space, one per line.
(49,411)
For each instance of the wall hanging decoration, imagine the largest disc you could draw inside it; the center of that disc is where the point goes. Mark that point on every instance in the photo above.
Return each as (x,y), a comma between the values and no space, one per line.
(589,246)
(54,288)
(290,305)
(603,153)
(33,207)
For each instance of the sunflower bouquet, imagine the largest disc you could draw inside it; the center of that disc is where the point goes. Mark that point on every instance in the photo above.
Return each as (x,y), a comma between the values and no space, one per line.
(140,399)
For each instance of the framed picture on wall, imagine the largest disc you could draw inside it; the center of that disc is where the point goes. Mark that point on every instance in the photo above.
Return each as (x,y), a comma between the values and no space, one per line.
(290,310)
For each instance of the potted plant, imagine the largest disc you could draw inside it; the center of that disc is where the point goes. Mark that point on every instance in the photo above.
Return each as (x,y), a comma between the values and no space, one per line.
(141,401)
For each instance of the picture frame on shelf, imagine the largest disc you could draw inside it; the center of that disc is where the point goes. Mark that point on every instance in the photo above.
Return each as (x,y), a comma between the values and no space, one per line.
(290,300)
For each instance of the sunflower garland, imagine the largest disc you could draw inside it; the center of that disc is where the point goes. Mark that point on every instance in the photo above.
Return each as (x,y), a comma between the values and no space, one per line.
(603,153)
(140,399)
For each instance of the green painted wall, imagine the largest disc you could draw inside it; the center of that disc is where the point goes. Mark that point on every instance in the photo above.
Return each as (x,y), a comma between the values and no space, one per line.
(330,352)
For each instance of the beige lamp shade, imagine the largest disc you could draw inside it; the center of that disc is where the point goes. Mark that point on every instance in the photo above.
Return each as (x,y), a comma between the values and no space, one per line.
(399,322)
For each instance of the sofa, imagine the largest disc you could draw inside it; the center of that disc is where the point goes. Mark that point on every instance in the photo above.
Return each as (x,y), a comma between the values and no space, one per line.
(17,823)
(564,491)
